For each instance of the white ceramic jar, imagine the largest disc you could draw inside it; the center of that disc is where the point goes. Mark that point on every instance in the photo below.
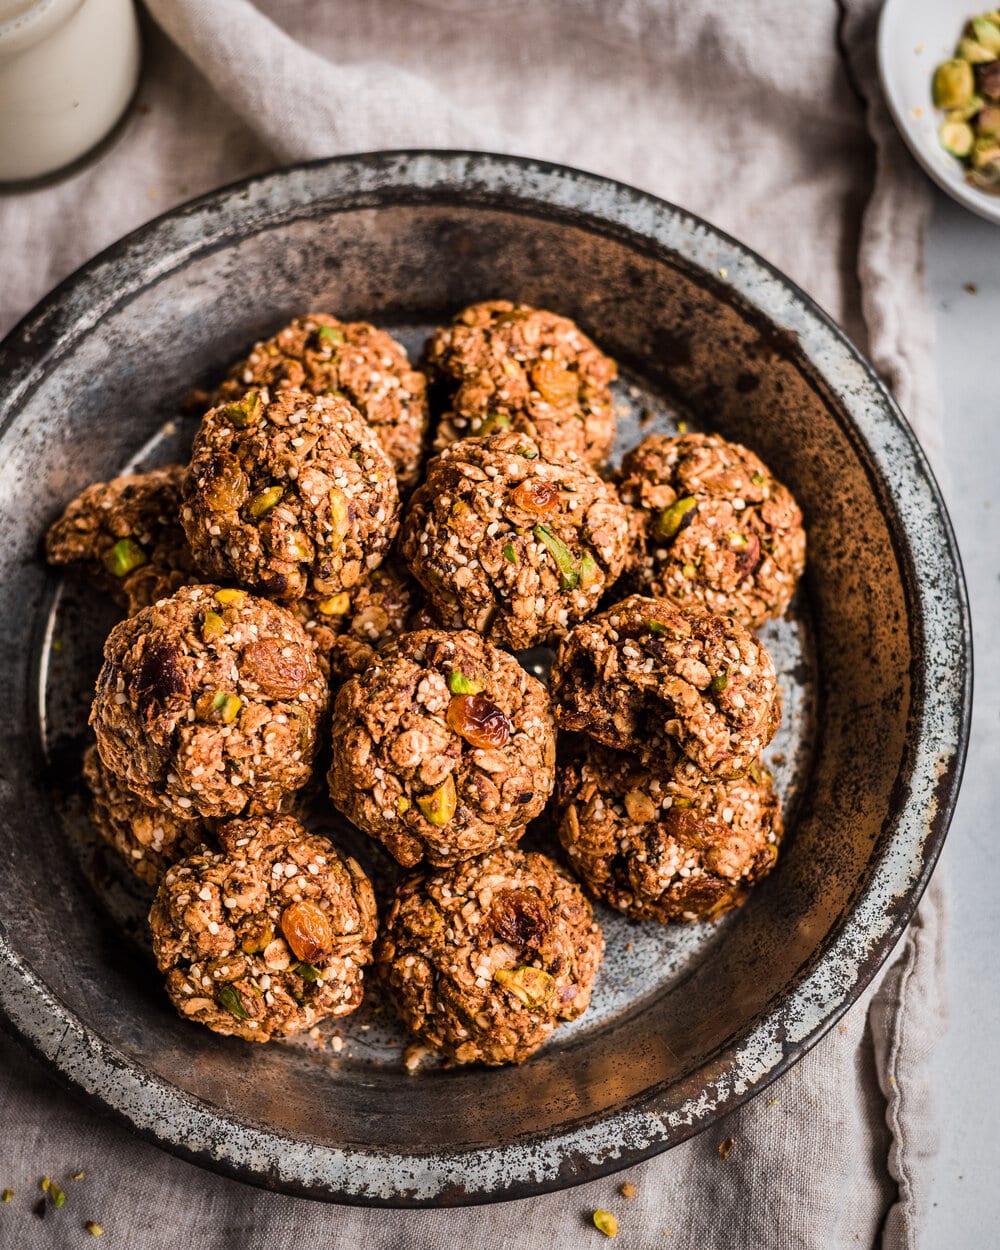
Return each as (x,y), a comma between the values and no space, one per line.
(68,69)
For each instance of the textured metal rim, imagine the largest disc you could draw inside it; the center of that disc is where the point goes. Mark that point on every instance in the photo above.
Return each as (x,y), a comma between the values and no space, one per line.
(927,788)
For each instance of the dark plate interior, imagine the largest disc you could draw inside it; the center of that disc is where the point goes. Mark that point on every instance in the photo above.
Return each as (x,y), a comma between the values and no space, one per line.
(686,1021)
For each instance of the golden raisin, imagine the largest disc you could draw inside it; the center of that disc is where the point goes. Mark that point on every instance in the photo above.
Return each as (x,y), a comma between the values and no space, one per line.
(307,931)
(477,720)
(555,384)
(536,497)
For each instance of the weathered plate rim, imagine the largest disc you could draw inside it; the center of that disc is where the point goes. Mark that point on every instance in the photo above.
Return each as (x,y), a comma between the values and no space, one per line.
(941,710)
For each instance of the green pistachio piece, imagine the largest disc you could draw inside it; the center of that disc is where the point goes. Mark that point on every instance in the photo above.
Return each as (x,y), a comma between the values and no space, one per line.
(228,997)
(340,516)
(308,972)
(957,138)
(953,85)
(987,34)
(719,682)
(510,553)
(331,334)
(657,627)
(671,519)
(265,936)
(569,574)
(530,985)
(605,1223)
(736,539)
(492,422)
(985,152)
(973,52)
(229,597)
(458,683)
(212,626)
(228,706)
(336,605)
(123,557)
(689,571)
(758,479)
(264,501)
(589,570)
(439,806)
(968,112)
(245,411)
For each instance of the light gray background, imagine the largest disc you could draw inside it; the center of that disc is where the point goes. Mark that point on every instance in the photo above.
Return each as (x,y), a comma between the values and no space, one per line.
(966,1193)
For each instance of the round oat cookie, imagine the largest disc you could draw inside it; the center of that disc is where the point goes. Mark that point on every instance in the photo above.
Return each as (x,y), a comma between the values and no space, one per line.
(365,365)
(510,366)
(484,960)
(666,844)
(513,538)
(443,748)
(267,937)
(209,701)
(712,528)
(148,839)
(289,496)
(647,678)
(501,365)
(127,535)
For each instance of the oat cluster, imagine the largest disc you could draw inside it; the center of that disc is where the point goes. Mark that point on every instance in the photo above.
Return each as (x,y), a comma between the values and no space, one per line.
(287,652)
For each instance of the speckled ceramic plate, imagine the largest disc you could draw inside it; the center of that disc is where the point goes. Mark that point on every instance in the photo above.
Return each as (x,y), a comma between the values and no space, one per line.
(687,1022)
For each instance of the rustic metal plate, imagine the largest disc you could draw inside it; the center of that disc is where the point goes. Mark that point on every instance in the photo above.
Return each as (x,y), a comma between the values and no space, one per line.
(687,1022)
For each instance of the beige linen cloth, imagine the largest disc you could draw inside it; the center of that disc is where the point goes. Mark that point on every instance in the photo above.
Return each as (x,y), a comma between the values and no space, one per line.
(765,117)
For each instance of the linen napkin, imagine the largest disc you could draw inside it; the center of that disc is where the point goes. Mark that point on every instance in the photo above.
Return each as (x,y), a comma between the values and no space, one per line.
(765,117)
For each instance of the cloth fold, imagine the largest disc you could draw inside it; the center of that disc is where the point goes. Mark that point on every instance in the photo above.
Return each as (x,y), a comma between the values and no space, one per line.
(746,114)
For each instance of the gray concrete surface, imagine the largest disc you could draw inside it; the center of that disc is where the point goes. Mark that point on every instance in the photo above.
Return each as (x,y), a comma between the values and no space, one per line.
(966,1193)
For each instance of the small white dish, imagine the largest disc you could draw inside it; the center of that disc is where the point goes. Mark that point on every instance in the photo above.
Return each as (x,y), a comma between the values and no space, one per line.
(915,36)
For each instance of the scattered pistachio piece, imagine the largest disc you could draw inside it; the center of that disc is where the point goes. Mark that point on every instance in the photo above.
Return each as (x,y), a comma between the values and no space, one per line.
(229,598)
(657,627)
(509,553)
(403,805)
(227,705)
(337,605)
(95,1230)
(228,997)
(439,806)
(957,138)
(532,986)
(212,626)
(264,501)
(605,1223)
(78,1176)
(689,571)
(494,421)
(7,1195)
(569,574)
(671,519)
(245,411)
(308,972)
(332,334)
(973,52)
(953,85)
(589,570)
(340,517)
(459,683)
(123,557)
(44,1184)
(57,1195)
(719,682)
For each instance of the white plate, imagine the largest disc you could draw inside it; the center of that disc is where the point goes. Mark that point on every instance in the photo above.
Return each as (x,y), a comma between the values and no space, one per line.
(914,36)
